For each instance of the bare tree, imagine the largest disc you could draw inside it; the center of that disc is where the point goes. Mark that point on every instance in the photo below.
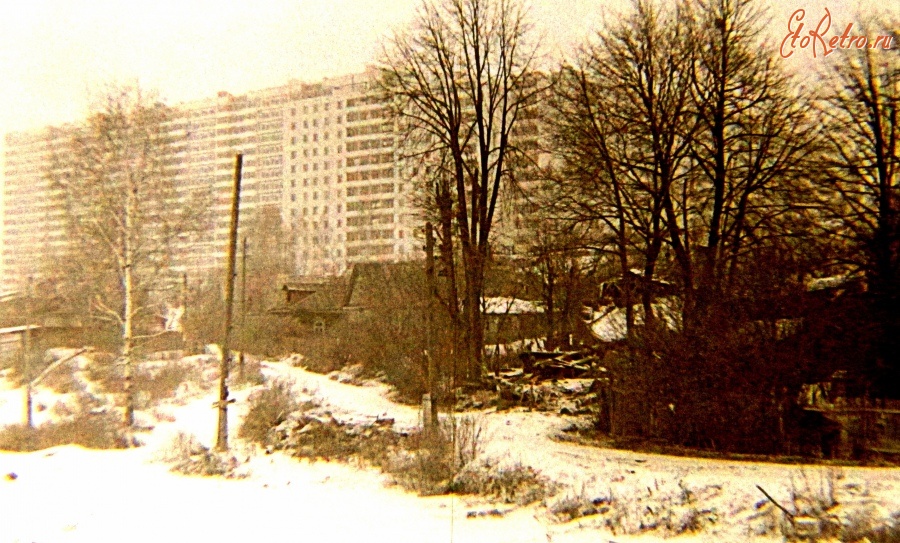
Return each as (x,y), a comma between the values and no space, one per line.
(125,213)
(624,121)
(685,149)
(755,132)
(860,196)
(459,79)
(268,258)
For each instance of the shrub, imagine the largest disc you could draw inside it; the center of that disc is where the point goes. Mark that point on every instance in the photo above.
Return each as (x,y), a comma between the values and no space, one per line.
(465,433)
(180,447)
(571,507)
(94,431)
(424,464)
(63,381)
(429,462)
(190,457)
(151,384)
(268,408)
(518,484)
(253,375)
(162,382)
(863,526)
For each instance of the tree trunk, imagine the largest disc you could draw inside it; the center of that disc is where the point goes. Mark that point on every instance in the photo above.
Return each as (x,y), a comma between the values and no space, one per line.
(26,372)
(431,368)
(128,310)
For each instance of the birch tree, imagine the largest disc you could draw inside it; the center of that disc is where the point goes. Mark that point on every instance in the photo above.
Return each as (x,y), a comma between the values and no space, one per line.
(125,215)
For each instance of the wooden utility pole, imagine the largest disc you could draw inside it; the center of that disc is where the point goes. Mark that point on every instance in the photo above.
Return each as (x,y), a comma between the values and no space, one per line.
(244,281)
(243,308)
(26,356)
(222,404)
(430,290)
(184,308)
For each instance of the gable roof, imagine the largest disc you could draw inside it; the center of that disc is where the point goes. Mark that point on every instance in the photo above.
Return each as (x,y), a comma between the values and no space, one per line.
(374,283)
(330,296)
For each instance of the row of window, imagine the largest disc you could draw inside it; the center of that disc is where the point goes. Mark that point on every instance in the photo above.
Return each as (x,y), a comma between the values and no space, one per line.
(365,175)
(369,220)
(326,195)
(368,129)
(362,145)
(378,158)
(365,100)
(365,190)
(315,108)
(365,115)
(370,205)
(315,181)
(369,250)
(326,165)
(366,235)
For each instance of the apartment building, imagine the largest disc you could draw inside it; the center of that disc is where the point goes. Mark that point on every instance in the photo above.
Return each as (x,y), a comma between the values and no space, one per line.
(34,221)
(343,196)
(321,153)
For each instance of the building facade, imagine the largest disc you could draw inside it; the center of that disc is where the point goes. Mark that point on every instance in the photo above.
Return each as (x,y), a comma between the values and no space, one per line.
(322,154)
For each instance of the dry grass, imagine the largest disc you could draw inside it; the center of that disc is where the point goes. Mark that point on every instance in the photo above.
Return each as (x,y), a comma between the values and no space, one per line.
(190,457)
(94,431)
(63,381)
(162,383)
(152,384)
(253,374)
(268,408)
(862,526)
(516,484)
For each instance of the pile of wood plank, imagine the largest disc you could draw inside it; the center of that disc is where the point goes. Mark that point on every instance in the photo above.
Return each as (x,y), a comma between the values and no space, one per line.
(555,381)
(559,365)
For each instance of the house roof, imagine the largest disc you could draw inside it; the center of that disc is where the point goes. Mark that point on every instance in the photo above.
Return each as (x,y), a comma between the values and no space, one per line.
(833,282)
(325,297)
(17,329)
(365,285)
(375,283)
(608,324)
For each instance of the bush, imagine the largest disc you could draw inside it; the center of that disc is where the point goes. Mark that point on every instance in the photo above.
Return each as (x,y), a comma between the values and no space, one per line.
(94,431)
(192,458)
(151,383)
(518,484)
(429,462)
(465,433)
(63,381)
(269,407)
(253,375)
(573,506)
(180,447)
(863,526)
(424,463)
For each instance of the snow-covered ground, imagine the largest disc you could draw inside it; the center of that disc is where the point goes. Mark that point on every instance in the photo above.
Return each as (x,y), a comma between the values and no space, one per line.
(72,494)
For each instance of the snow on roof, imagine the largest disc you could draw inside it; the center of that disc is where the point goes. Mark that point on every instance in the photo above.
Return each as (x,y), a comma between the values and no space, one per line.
(17,329)
(834,281)
(608,323)
(8,295)
(501,305)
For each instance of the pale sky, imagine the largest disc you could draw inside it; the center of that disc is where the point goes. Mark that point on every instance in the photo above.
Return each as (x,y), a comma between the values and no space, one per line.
(53,53)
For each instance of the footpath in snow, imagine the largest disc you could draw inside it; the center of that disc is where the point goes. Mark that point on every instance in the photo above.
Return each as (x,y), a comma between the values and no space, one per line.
(73,494)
